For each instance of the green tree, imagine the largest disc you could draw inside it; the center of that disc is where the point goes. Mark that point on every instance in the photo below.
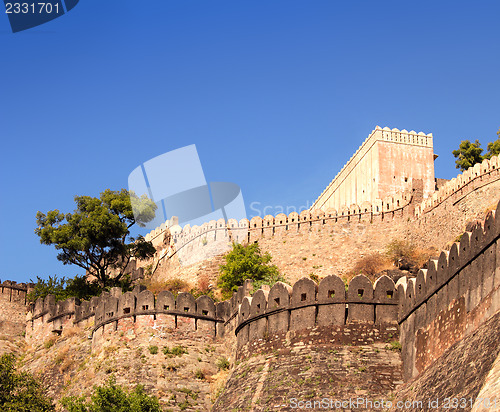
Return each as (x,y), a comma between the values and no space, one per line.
(493,147)
(246,262)
(96,236)
(62,288)
(468,154)
(112,398)
(20,391)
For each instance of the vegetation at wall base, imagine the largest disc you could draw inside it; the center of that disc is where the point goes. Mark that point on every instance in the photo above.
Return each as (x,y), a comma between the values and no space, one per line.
(113,398)
(247,262)
(20,391)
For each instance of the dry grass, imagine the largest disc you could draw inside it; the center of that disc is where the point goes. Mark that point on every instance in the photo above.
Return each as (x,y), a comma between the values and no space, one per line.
(174,285)
(72,331)
(218,381)
(371,265)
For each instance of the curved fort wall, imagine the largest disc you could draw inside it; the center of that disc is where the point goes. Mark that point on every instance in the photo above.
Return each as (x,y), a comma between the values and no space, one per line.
(452,297)
(445,302)
(360,314)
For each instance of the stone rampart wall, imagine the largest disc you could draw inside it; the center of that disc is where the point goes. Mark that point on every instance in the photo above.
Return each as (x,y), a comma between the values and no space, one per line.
(452,297)
(132,312)
(473,178)
(398,209)
(12,308)
(307,304)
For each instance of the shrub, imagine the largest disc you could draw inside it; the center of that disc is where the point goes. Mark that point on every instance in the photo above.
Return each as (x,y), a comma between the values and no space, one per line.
(199,374)
(223,364)
(246,262)
(371,265)
(395,346)
(112,397)
(175,351)
(406,256)
(153,350)
(20,391)
(176,285)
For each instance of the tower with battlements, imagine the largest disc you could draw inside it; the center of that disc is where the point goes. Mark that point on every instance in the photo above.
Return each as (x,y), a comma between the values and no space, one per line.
(388,162)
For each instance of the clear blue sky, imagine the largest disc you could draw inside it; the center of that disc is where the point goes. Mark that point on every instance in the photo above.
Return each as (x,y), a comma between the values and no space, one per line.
(276,95)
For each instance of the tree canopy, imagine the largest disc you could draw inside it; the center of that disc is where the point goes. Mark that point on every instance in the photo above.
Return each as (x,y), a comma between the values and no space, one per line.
(468,154)
(20,391)
(96,236)
(113,398)
(247,262)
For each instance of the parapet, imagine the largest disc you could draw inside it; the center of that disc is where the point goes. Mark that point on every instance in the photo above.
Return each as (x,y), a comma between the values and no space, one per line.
(466,182)
(442,276)
(306,304)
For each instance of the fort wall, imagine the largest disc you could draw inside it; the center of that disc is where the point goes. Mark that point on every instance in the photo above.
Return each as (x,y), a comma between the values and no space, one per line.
(452,297)
(331,241)
(13,308)
(269,313)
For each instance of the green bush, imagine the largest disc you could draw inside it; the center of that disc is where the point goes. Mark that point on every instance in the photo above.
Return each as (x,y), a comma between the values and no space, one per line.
(112,398)
(246,262)
(223,364)
(153,350)
(20,391)
(175,351)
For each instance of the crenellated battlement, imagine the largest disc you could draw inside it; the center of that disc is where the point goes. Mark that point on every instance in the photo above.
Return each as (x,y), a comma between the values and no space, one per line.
(189,240)
(452,297)
(14,292)
(477,176)
(306,304)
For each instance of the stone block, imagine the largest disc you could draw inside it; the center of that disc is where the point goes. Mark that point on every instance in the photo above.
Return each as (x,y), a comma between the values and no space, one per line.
(331,290)
(279,298)
(360,296)
(385,292)
(258,328)
(303,293)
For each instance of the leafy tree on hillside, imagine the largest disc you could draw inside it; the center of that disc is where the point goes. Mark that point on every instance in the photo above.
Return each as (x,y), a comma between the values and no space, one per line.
(468,154)
(493,147)
(112,398)
(96,235)
(247,262)
(62,288)
(19,391)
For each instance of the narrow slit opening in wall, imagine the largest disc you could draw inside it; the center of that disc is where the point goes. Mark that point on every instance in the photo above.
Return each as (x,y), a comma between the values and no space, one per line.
(303,297)
(154,316)
(331,294)
(204,312)
(145,307)
(186,308)
(126,310)
(277,301)
(346,314)
(361,292)
(166,307)
(390,294)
